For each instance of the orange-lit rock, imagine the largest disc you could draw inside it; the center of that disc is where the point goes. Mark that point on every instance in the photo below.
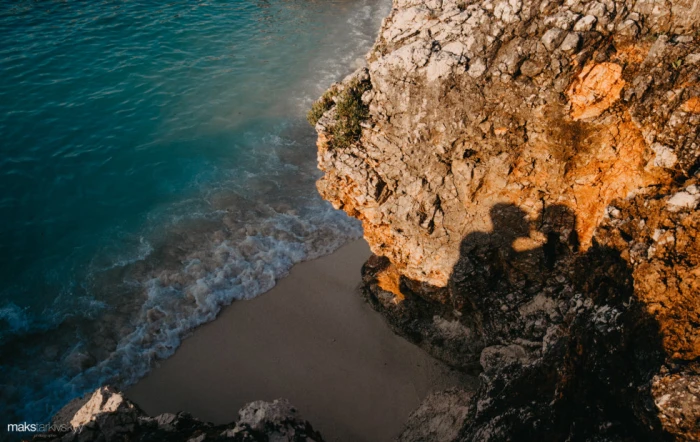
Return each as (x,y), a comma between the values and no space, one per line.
(665,256)
(389,279)
(692,105)
(526,176)
(595,90)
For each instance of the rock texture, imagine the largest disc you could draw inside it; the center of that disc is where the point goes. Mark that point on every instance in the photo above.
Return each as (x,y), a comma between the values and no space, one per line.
(440,417)
(106,415)
(527,177)
(531,103)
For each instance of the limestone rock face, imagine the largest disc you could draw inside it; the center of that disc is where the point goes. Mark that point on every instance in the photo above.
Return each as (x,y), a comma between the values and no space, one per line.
(106,415)
(525,102)
(527,176)
(103,400)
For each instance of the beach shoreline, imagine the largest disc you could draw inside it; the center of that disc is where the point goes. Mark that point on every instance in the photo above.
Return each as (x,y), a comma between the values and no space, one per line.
(312,340)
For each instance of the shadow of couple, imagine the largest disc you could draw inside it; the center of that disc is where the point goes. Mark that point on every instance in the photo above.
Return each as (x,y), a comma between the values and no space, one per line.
(584,347)
(517,253)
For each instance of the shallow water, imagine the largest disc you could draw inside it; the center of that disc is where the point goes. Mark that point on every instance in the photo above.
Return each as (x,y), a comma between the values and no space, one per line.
(155,165)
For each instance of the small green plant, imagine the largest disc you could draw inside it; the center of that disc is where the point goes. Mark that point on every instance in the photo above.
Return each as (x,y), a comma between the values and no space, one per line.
(677,64)
(350,111)
(320,107)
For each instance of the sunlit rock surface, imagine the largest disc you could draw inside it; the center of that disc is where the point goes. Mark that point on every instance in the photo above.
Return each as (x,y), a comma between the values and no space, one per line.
(526,178)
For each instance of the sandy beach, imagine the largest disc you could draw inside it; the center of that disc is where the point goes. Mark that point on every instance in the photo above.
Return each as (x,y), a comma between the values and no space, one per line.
(311,339)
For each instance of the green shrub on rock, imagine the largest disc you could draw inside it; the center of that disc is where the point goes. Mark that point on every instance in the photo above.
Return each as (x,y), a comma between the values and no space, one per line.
(350,111)
(320,107)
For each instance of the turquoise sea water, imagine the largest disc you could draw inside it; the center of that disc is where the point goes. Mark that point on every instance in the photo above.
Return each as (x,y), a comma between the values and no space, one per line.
(155,165)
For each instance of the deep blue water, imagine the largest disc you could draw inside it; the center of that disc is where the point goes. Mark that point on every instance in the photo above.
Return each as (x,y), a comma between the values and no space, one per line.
(155,165)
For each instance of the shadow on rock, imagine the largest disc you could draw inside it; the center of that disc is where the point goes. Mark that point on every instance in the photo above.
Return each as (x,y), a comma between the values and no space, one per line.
(563,348)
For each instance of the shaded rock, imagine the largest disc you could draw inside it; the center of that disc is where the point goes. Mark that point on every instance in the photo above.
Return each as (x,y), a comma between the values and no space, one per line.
(594,345)
(439,418)
(497,357)
(677,397)
(107,415)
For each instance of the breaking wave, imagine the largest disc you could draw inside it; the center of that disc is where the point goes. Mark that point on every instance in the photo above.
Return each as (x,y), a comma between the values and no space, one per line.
(113,303)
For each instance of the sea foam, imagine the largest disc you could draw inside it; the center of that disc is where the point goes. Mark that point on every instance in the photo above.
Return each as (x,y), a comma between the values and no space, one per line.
(238,225)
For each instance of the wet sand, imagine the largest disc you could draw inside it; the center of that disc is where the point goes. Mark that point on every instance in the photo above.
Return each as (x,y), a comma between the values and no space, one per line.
(311,339)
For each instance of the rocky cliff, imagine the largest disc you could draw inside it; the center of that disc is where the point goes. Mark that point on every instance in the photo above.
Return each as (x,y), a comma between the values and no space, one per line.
(526,172)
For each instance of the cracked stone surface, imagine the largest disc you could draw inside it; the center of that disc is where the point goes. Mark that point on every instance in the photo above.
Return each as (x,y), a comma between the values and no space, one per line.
(534,103)
(527,179)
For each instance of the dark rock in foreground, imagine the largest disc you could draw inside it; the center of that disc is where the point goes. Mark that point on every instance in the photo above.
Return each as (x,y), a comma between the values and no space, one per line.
(565,342)
(106,415)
